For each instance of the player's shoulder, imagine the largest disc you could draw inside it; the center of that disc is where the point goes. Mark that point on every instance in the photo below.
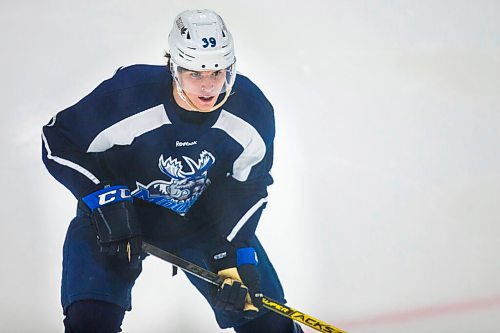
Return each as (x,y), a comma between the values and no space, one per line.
(248,90)
(248,99)
(145,84)
(136,76)
(248,102)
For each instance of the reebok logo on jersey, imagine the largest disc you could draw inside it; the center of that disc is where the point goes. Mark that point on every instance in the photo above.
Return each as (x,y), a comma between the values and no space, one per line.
(185,143)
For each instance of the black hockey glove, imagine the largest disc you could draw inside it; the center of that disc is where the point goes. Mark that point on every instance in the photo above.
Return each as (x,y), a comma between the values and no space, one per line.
(117,225)
(241,290)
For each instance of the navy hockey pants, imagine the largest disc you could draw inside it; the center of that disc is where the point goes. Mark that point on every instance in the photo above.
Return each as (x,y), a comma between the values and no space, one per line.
(90,276)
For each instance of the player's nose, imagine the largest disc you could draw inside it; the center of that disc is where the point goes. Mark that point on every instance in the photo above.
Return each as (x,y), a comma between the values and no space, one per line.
(207,86)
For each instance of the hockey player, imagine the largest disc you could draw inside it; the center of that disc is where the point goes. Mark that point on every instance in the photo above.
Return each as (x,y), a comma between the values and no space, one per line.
(178,156)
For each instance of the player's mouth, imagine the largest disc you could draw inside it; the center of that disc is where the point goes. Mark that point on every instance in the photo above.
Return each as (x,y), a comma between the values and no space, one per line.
(206,99)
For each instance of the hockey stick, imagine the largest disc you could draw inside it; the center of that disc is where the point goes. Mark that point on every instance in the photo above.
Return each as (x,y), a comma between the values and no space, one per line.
(214,279)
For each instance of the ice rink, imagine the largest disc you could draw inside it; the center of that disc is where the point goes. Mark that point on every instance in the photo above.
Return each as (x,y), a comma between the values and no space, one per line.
(385,212)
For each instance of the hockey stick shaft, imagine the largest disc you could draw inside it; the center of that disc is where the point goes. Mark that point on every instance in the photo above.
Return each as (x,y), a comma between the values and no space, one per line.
(214,279)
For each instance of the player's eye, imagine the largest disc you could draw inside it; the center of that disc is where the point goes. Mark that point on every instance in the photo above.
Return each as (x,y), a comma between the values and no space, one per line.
(218,74)
(195,75)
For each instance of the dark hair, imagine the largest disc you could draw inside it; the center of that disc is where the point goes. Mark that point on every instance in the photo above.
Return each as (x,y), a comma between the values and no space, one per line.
(168,56)
(169,59)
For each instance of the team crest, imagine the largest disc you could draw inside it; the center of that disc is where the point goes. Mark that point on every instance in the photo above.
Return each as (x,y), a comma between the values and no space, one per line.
(188,180)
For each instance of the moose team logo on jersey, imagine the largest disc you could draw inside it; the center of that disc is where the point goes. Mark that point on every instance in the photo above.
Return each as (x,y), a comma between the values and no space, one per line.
(187,182)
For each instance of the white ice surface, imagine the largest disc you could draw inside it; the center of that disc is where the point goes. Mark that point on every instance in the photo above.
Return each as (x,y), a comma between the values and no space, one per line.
(396,222)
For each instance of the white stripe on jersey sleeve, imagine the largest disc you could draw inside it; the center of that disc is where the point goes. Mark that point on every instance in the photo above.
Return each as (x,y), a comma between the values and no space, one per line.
(254,148)
(126,130)
(245,218)
(67,163)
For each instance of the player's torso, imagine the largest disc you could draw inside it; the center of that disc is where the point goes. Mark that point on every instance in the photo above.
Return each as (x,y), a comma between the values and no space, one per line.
(170,155)
(172,165)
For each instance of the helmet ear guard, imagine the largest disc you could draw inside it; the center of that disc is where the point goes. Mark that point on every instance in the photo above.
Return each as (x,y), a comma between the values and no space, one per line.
(199,41)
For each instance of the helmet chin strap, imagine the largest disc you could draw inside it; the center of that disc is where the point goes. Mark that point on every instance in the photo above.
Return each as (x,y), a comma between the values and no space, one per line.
(186,99)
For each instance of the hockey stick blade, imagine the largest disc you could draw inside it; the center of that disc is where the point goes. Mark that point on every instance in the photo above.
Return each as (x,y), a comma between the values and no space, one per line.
(214,279)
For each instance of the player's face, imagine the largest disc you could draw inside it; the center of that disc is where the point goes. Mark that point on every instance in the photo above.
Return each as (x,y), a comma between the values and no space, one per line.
(202,87)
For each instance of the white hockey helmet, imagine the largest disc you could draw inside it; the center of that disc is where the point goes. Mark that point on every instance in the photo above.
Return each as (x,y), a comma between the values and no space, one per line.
(200,41)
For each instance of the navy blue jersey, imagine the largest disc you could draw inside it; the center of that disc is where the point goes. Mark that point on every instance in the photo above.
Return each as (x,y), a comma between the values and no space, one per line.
(179,164)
